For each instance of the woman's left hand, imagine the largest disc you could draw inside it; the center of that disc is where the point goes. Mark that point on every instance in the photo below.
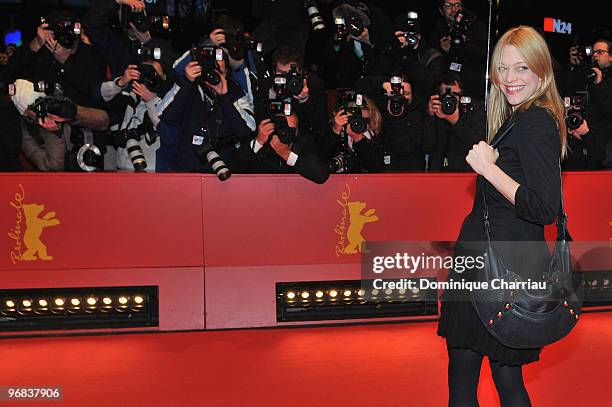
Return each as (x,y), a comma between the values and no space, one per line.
(482,157)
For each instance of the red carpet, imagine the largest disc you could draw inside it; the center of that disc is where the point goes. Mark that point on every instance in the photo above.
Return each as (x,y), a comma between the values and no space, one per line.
(376,365)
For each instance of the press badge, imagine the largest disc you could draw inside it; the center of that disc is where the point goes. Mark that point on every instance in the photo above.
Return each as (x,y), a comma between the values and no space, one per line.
(197,140)
(455,66)
(387,159)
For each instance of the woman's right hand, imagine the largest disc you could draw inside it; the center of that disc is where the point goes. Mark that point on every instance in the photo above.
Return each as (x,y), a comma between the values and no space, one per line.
(433,106)
(193,70)
(340,120)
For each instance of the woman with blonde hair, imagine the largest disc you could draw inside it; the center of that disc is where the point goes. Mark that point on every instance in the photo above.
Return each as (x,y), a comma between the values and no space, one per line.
(521,183)
(360,148)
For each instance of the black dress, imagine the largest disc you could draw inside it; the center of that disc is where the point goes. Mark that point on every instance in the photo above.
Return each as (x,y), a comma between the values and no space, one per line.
(529,154)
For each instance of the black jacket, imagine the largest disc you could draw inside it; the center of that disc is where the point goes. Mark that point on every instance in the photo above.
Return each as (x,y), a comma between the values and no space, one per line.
(309,165)
(448,145)
(80,76)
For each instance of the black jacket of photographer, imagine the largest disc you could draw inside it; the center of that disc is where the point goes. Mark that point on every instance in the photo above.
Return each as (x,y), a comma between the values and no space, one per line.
(472,55)
(449,144)
(309,164)
(192,109)
(80,76)
(589,152)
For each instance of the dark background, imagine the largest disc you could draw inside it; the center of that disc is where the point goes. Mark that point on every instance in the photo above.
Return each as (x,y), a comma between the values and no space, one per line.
(590,18)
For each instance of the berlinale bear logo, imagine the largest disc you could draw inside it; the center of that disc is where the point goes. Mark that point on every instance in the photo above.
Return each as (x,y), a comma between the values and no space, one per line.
(356,222)
(28,243)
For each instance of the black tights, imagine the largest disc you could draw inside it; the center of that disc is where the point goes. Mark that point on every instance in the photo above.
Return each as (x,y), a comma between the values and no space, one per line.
(463,374)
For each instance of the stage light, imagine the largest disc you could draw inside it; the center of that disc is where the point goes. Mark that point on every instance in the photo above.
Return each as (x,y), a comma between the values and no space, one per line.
(350,299)
(291,295)
(77,308)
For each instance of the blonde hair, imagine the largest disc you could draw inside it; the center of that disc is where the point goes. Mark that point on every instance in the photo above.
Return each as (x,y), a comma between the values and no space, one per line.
(534,50)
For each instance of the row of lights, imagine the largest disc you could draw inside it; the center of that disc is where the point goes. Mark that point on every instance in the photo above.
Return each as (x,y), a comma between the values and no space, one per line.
(10,306)
(595,285)
(346,295)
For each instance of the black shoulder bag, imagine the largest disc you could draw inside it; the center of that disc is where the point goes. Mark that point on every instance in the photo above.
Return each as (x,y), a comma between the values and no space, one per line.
(522,318)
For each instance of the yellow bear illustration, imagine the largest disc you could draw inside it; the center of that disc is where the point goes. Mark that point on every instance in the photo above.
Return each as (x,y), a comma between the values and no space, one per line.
(358,221)
(34,228)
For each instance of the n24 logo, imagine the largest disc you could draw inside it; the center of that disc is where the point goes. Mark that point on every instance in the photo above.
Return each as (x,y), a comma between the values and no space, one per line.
(556,25)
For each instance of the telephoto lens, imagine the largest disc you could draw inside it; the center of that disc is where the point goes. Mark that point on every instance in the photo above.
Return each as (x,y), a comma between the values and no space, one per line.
(448,101)
(136,155)
(315,16)
(396,99)
(204,150)
(357,122)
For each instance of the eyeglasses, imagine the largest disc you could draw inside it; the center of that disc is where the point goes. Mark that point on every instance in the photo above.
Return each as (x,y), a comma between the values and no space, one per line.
(457,6)
(600,51)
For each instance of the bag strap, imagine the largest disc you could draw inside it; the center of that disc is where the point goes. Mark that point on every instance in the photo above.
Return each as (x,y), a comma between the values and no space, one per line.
(562,232)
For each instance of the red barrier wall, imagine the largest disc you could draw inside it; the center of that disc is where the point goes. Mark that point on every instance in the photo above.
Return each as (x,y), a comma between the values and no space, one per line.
(216,249)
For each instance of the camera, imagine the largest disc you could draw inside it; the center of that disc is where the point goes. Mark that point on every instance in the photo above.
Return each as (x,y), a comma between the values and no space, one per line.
(460,26)
(338,164)
(412,29)
(49,88)
(84,154)
(7,89)
(577,108)
(356,122)
(205,151)
(149,77)
(448,101)
(340,30)
(277,113)
(66,30)
(253,45)
(288,84)
(396,98)
(208,58)
(465,104)
(585,53)
(143,22)
(314,15)
(140,52)
(56,105)
(129,139)
(355,25)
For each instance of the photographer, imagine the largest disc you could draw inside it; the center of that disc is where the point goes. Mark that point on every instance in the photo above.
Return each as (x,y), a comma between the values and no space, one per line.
(402,122)
(136,135)
(452,126)
(246,66)
(588,142)
(462,39)
(354,142)
(350,53)
(209,106)
(304,90)
(411,55)
(280,147)
(115,47)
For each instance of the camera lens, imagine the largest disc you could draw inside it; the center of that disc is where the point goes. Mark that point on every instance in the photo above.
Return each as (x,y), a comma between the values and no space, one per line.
(136,155)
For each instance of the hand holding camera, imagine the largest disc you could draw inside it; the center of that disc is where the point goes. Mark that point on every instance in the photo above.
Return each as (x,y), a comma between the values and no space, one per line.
(217,36)
(130,74)
(434,107)
(580,131)
(280,148)
(42,34)
(264,130)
